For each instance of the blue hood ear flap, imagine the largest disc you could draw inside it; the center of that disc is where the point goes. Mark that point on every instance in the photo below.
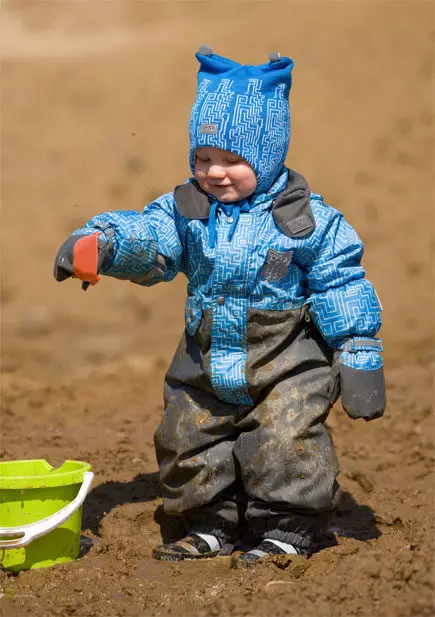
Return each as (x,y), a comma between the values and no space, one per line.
(280,64)
(212,63)
(278,70)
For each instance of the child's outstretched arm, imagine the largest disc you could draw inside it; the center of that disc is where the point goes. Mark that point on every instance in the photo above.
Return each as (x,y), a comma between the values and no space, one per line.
(346,310)
(143,248)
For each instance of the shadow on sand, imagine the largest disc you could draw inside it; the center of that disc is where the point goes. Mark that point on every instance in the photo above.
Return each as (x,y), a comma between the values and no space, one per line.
(351,520)
(103,498)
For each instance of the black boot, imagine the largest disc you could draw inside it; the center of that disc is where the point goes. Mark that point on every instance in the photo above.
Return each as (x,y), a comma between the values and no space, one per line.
(267,546)
(192,546)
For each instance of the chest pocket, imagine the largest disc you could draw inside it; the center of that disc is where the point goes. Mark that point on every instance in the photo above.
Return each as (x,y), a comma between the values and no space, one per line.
(277,265)
(192,314)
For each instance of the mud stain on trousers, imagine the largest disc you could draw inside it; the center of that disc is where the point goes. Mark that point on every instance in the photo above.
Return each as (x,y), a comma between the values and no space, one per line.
(276,455)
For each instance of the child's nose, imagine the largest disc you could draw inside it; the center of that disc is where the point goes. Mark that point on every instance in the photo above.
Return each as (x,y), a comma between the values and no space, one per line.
(216,171)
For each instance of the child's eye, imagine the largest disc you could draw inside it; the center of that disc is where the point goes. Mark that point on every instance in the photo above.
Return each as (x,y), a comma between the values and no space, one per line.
(203,160)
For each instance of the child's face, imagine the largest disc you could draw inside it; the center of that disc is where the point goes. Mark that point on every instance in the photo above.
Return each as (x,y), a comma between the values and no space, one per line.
(223,174)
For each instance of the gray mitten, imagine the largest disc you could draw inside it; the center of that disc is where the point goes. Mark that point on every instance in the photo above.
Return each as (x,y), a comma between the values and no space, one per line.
(83,256)
(358,372)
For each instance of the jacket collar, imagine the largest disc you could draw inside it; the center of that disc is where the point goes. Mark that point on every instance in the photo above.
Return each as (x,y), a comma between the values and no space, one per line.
(289,198)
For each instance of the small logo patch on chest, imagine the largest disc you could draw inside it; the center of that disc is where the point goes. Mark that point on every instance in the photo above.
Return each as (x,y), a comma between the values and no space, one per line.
(276,265)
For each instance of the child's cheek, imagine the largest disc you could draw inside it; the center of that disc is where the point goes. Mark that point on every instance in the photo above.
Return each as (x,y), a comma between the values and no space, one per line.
(200,178)
(200,170)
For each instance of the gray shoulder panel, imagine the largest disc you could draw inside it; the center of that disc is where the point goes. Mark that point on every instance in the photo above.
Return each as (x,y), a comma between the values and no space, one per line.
(292,210)
(191,201)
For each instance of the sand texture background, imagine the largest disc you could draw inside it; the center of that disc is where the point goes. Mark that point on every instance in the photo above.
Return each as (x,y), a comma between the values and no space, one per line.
(94,106)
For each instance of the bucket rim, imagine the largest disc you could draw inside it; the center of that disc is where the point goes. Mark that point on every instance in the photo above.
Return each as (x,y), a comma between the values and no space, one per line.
(70,472)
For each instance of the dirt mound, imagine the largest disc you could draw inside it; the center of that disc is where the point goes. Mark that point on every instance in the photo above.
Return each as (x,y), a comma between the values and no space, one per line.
(94,117)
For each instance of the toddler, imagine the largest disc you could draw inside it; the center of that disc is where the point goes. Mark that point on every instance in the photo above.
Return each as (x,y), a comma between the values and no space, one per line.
(279,320)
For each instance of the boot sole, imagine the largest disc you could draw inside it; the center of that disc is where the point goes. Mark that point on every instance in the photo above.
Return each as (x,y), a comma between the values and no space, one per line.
(164,554)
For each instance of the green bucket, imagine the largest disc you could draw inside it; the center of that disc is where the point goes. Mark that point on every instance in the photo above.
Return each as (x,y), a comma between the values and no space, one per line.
(41,512)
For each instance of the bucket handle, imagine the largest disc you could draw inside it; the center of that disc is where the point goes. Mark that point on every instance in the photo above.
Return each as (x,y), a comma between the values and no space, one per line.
(15,537)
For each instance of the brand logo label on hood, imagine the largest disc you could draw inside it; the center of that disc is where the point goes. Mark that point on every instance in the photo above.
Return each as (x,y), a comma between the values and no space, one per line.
(208,129)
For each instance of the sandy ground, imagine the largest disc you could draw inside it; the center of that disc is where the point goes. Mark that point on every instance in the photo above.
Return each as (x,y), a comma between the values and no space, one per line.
(94,108)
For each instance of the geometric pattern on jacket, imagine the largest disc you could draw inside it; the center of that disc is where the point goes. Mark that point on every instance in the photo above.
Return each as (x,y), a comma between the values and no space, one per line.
(323,271)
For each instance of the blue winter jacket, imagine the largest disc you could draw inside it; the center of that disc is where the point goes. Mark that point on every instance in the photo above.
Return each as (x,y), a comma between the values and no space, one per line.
(288,251)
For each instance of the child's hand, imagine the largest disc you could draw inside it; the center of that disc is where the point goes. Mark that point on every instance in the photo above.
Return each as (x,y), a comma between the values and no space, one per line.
(359,374)
(82,256)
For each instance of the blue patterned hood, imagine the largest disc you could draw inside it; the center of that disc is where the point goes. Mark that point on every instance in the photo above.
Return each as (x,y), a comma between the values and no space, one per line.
(243,109)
